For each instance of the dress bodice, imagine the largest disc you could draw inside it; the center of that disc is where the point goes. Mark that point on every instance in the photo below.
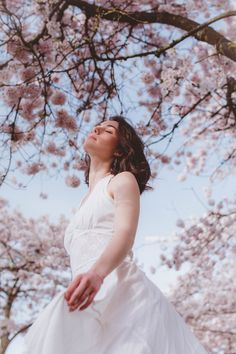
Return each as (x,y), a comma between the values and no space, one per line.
(91,227)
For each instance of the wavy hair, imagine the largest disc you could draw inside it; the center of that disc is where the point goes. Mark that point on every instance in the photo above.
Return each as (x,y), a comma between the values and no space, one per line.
(130,157)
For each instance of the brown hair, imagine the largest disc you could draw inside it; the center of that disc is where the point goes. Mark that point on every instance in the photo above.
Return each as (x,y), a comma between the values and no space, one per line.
(131,155)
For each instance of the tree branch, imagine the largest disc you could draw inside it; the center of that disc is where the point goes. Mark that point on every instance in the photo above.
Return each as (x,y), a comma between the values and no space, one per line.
(201,32)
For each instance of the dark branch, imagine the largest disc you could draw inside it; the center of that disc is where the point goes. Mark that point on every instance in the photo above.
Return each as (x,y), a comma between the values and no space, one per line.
(202,32)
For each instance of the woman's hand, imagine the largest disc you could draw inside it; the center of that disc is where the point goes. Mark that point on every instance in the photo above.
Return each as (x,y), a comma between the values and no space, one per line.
(84,287)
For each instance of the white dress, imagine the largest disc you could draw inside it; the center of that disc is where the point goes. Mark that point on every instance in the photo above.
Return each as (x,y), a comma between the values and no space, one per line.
(129,314)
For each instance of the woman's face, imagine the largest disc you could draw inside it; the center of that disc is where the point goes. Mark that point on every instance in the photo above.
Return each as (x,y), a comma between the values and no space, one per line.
(103,140)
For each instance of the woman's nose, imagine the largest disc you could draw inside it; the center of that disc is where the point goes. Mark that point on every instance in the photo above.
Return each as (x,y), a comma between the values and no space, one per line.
(95,130)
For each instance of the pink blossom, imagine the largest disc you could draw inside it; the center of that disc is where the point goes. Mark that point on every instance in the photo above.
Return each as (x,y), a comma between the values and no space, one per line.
(154,91)
(66,166)
(27,74)
(72,181)
(32,91)
(180,223)
(165,159)
(27,110)
(177,162)
(55,78)
(64,120)
(211,202)
(34,168)
(12,95)
(14,5)
(53,27)
(14,46)
(4,76)
(29,136)
(148,78)
(54,165)
(87,117)
(45,46)
(51,148)
(3,203)
(58,98)
(157,71)
(27,254)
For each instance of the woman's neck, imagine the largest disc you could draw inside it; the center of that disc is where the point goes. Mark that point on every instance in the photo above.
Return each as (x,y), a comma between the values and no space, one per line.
(95,176)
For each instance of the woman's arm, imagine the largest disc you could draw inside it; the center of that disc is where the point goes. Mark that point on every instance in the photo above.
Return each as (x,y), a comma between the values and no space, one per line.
(127,204)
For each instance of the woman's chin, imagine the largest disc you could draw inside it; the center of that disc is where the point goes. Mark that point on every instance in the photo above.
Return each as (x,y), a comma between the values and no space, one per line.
(87,145)
(89,148)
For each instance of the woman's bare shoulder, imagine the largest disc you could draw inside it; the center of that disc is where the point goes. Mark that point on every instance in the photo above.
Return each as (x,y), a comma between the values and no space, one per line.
(125,179)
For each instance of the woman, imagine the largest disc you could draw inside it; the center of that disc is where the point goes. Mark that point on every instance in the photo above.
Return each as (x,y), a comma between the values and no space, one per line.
(110,306)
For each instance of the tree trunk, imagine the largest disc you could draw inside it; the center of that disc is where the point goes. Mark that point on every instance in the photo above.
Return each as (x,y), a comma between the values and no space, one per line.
(4,342)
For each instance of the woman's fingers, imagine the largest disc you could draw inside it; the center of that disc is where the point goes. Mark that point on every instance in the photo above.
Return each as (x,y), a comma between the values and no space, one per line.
(78,292)
(73,285)
(89,300)
(84,286)
(80,301)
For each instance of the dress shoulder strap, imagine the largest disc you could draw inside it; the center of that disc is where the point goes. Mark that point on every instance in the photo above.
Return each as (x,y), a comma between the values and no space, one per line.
(101,183)
(109,178)
(105,184)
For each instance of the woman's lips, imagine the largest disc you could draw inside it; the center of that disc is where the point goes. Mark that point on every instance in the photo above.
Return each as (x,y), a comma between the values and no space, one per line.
(92,136)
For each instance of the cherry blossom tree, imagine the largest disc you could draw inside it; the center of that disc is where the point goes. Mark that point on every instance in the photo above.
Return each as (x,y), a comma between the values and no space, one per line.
(33,267)
(205,295)
(66,64)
